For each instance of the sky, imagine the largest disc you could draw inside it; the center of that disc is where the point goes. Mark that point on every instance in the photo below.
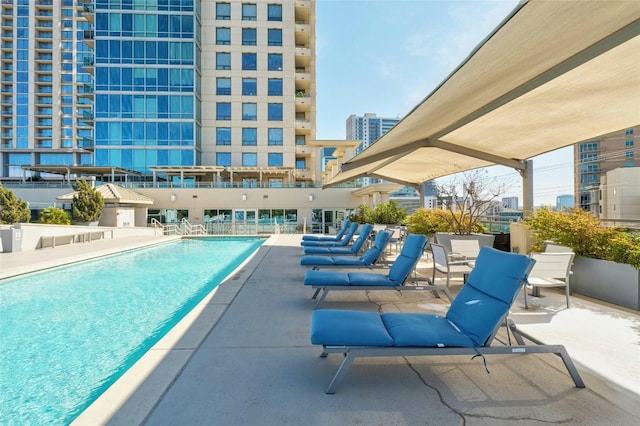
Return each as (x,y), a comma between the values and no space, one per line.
(386,56)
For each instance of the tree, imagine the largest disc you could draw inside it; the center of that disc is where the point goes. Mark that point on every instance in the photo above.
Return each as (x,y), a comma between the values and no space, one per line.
(54,216)
(383,213)
(468,197)
(87,202)
(12,208)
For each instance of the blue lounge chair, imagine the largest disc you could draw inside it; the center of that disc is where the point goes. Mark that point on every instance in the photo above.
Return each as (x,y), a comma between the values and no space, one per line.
(468,328)
(395,279)
(367,260)
(338,251)
(342,242)
(337,237)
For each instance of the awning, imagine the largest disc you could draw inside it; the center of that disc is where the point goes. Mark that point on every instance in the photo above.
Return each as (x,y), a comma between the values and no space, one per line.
(552,74)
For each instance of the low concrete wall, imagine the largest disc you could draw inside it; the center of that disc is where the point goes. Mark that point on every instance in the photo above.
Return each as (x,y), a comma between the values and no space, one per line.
(33,233)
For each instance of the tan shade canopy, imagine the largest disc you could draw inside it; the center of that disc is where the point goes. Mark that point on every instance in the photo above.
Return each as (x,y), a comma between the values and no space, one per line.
(552,74)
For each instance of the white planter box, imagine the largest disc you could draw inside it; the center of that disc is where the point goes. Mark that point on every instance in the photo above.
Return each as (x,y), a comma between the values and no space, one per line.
(611,282)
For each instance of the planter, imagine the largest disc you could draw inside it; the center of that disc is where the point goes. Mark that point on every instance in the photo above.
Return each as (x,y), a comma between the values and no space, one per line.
(92,223)
(608,281)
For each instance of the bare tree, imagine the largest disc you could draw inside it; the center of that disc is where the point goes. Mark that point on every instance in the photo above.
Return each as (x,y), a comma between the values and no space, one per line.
(467,197)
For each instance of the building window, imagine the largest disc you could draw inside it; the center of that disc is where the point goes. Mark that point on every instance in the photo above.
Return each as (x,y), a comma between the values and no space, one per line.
(249,12)
(629,163)
(223,86)
(275,87)
(249,159)
(628,154)
(275,112)
(223,61)
(249,37)
(275,159)
(223,136)
(301,164)
(628,142)
(249,112)
(249,136)
(628,132)
(275,136)
(223,11)
(275,183)
(300,140)
(274,12)
(223,35)
(249,61)
(274,62)
(223,111)
(249,86)
(223,159)
(274,37)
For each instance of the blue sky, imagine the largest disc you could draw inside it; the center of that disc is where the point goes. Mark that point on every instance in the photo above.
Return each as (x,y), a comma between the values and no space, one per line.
(385,56)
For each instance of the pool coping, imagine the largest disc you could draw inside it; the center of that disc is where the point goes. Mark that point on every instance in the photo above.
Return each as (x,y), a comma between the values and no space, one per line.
(137,392)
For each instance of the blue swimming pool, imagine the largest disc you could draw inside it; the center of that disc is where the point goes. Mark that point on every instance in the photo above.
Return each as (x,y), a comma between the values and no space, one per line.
(67,334)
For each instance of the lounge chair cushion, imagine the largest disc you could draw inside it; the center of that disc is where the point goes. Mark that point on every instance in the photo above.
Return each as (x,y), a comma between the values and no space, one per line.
(315,260)
(423,330)
(354,328)
(330,250)
(313,277)
(369,278)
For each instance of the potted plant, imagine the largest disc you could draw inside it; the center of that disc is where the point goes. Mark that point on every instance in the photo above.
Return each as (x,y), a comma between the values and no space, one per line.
(607,263)
(87,204)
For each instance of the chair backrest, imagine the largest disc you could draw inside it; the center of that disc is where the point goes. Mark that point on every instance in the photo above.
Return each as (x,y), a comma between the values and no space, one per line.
(552,265)
(371,256)
(346,239)
(556,248)
(439,256)
(484,301)
(465,247)
(408,258)
(362,238)
(343,229)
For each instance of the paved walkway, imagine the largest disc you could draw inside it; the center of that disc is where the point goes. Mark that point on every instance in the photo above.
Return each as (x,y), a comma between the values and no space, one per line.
(243,357)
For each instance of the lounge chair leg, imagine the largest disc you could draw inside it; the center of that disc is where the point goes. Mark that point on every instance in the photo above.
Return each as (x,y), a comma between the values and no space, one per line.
(571,368)
(316,293)
(342,371)
(322,297)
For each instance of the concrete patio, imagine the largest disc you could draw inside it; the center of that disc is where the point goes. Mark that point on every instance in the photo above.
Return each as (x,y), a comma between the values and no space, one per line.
(243,357)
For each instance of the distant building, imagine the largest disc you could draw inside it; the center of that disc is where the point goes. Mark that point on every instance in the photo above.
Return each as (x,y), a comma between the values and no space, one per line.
(619,197)
(510,203)
(368,129)
(565,201)
(596,156)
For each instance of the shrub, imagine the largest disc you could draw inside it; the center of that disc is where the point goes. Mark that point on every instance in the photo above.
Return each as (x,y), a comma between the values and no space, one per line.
(584,234)
(55,216)
(430,221)
(87,202)
(384,213)
(12,208)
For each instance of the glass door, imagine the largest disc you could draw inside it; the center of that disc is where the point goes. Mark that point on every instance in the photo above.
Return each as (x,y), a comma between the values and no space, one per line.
(245,221)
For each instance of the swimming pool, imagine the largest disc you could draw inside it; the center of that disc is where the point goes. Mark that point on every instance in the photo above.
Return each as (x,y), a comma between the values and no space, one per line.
(67,334)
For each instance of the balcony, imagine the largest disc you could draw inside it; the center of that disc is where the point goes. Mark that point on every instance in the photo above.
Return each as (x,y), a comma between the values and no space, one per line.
(88,12)
(303,126)
(304,151)
(303,174)
(302,33)
(303,57)
(86,90)
(86,143)
(7,45)
(302,10)
(303,102)
(88,64)
(87,38)
(87,115)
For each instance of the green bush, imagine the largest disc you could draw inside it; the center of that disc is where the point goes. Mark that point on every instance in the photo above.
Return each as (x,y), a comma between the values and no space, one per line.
(55,216)
(384,213)
(430,221)
(584,234)
(87,202)
(12,208)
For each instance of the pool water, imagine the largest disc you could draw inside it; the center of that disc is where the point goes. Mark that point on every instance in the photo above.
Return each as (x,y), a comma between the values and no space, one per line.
(67,334)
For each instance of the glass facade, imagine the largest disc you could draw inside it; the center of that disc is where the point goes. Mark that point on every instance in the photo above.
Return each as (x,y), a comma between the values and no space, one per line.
(147,91)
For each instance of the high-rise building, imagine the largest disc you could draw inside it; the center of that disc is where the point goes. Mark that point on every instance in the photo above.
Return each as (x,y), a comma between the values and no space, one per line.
(147,85)
(565,201)
(510,203)
(46,93)
(368,129)
(595,157)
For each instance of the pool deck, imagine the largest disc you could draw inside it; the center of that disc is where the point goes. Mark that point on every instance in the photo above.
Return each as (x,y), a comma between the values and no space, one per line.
(243,357)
